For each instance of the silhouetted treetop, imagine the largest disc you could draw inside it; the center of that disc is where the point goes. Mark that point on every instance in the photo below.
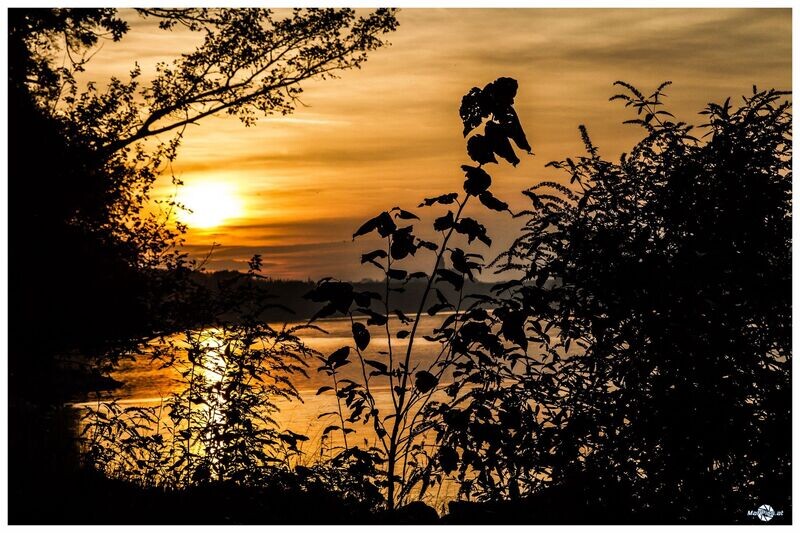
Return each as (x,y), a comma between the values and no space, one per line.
(251,62)
(38,36)
(93,188)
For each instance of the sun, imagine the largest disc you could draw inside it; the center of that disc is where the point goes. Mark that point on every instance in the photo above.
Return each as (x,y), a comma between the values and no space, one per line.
(209,204)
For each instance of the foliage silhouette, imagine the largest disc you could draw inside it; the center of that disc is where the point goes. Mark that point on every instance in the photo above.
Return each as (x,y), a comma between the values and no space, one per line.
(401,434)
(95,202)
(92,191)
(218,424)
(655,295)
(82,167)
(217,428)
(637,360)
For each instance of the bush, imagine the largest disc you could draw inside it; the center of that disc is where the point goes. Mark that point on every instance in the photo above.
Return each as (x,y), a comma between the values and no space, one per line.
(657,293)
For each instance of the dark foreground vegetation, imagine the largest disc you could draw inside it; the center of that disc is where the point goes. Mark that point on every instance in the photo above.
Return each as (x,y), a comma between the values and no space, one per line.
(634,368)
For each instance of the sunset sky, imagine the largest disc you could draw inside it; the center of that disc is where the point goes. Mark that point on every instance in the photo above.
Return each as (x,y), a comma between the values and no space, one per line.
(295,188)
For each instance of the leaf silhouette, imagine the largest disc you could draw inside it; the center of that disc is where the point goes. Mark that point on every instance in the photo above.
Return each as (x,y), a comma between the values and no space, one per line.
(405,215)
(444,222)
(364,298)
(325,311)
(473,109)
(480,149)
(381,368)
(338,294)
(370,257)
(513,328)
(395,273)
(361,335)
(447,458)
(478,180)
(339,357)
(513,130)
(375,319)
(501,93)
(490,201)
(462,264)
(473,230)
(424,381)
(383,223)
(443,199)
(498,142)
(403,243)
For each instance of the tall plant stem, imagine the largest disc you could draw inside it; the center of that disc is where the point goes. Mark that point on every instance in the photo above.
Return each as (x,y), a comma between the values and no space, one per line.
(399,411)
(388,331)
(339,405)
(370,398)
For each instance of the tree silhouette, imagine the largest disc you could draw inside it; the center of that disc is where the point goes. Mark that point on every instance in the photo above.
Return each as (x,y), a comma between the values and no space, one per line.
(251,62)
(94,272)
(80,160)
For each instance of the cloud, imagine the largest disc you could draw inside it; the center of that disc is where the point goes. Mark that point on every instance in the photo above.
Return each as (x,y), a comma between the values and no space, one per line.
(389,133)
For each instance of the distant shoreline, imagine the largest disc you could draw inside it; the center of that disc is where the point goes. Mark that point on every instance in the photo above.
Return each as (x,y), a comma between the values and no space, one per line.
(290,294)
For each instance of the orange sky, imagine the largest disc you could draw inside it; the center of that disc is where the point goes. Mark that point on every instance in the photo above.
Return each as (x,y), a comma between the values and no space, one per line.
(389,134)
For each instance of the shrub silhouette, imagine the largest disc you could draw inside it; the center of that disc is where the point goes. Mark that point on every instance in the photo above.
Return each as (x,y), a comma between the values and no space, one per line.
(217,425)
(654,295)
(217,430)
